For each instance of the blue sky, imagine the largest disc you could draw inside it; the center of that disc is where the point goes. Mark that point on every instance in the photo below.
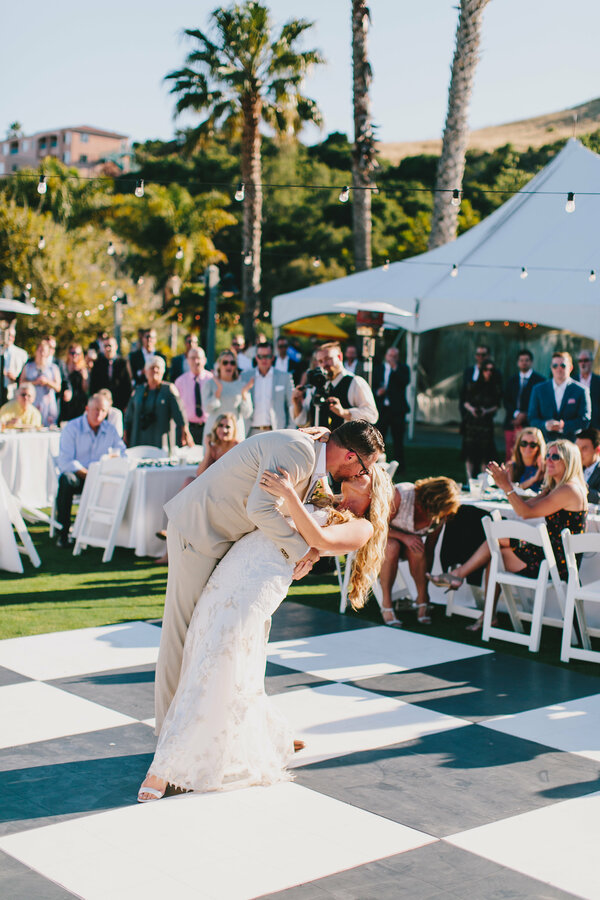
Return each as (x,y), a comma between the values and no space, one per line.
(70,63)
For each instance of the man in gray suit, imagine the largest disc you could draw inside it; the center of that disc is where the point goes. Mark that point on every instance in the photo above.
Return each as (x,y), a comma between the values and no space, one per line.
(271,394)
(226,502)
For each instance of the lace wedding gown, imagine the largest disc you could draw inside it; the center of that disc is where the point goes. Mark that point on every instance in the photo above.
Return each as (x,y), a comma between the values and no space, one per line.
(222,730)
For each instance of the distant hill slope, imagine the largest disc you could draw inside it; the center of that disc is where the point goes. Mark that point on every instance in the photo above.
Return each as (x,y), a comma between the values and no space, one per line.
(523,134)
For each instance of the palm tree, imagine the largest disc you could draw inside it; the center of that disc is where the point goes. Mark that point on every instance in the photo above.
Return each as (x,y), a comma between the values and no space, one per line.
(242,77)
(451,166)
(363,154)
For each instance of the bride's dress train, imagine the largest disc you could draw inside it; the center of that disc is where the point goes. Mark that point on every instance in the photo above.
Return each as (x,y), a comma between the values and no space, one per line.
(222,730)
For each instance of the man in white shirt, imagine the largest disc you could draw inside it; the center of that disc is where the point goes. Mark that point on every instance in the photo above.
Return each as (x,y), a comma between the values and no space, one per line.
(348,396)
(588,442)
(238,345)
(14,360)
(560,407)
(271,393)
(352,363)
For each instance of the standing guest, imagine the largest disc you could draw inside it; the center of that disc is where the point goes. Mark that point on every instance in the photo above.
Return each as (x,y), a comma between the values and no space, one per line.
(348,397)
(152,408)
(393,379)
(482,398)
(114,416)
(82,441)
(226,392)
(238,346)
(138,359)
(14,360)
(591,382)
(517,394)
(20,412)
(189,385)
(75,395)
(588,442)
(112,372)
(179,363)
(45,376)
(91,355)
(283,361)
(352,361)
(472,373)
(271,393)
(560,407)
(527,464)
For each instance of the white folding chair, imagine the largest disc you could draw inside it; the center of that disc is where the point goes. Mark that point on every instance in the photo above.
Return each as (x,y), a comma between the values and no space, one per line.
(101,511)
(403,585)
(547,577)
(460,609)
(10,516)
(577,595)
(145,451)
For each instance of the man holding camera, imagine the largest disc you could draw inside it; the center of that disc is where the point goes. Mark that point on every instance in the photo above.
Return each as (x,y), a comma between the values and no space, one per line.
(333,395)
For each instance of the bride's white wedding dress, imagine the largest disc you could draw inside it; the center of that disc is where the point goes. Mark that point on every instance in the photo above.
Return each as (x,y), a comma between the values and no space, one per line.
(222,730)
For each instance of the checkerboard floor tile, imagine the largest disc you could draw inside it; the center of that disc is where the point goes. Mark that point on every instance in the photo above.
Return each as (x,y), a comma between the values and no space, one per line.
(429,766)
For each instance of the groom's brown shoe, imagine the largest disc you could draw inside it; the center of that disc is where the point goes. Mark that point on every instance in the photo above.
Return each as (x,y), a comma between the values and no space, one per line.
(299,745)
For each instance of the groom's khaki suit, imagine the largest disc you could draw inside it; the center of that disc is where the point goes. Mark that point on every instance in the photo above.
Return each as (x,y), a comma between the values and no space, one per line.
(217,509)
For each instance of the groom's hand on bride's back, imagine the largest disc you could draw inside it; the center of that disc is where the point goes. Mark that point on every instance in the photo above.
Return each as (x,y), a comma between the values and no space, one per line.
(304,565)
(317,433)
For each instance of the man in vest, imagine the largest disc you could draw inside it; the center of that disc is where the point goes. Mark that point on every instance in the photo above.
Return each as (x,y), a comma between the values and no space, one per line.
(347,396)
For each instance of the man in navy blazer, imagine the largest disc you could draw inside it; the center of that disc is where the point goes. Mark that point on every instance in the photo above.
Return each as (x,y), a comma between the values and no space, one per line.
(560,407)
(517,395)
(590,381)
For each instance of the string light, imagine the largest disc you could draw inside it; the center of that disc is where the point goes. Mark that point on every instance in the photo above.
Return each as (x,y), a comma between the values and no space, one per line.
(570,204)
(139,188)
(110,249)
(241,192)
(455,201)
(592,276)
(179,254)
(524,272)
(42,186)
(386,265)
(316,262)
(454,271)
(41,242)
(248,258)
(344,194)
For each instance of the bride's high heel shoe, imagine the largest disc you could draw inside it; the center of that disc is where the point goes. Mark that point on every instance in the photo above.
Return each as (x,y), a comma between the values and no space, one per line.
(155,793)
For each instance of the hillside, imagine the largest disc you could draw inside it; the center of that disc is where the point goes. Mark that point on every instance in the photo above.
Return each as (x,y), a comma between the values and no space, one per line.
(534,132)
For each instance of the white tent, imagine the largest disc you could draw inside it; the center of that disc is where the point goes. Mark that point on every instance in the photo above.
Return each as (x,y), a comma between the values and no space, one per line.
(531,231)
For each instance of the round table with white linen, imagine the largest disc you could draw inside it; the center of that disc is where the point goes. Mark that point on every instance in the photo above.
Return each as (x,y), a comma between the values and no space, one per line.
(27,463)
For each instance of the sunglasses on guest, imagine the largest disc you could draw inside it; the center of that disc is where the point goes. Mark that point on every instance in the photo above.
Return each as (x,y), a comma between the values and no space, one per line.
(559,365)
(228,362)
(263,356)
(531,444)
(553,456)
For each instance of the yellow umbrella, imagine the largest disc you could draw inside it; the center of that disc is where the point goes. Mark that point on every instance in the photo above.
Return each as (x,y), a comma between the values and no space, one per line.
(319,326)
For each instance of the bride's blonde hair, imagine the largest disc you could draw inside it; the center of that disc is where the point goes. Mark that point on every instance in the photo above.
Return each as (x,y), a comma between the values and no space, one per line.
(368,558)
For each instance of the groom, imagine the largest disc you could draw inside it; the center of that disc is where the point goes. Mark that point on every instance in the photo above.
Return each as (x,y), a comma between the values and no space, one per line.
(227,502)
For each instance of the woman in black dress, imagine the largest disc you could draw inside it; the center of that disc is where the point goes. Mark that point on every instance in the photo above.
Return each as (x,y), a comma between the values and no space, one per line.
(75,396)
(482,399)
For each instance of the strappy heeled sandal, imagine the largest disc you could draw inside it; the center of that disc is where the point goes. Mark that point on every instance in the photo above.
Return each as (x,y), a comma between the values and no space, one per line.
(156,793)
(391,619)
(425,618)
(446,579)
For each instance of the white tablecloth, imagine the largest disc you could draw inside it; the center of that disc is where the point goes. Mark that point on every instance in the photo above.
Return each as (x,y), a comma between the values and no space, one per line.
(26,461)
(144,514)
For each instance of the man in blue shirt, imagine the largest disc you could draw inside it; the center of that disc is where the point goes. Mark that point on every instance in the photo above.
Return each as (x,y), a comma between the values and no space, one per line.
(83,441)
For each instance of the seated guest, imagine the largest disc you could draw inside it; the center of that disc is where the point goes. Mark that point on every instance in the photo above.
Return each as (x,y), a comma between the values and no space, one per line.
(114,416)
(527,464)
(563,504)
(112,372)
(20,412)
(82,441)
(76,389)
(154,405)
(560,407)
(45,376)
(588,442)
(418,511)
(189,385)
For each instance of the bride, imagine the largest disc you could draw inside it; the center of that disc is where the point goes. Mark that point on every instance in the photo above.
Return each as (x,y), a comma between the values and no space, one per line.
(222,730)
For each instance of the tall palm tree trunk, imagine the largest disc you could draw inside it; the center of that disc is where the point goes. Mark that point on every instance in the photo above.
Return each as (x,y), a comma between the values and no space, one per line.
(363,154)
(252,213)
(451,166)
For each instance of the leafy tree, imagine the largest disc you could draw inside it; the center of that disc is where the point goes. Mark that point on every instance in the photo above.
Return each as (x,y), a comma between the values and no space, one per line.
(241,77)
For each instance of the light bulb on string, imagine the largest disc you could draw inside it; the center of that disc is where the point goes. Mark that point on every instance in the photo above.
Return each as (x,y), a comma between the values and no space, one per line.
(454,271)
(592,276)
(139,188)
(42,186)
(241,192)
(386,265)
(248,258)
(179,254)
(316,262)
(110,249)
(41,242)
(455,201)
(344,194)
(570,204)
(524,272)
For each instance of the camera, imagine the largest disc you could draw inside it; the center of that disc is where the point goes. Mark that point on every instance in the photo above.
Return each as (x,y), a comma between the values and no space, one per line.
(317,379)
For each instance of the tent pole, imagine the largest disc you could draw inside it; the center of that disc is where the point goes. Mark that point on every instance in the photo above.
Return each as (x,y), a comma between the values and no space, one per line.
(412,354)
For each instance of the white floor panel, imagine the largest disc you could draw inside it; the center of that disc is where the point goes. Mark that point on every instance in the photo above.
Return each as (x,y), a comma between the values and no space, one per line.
(557,844)
(337,719)
(226,846)
(32,711)
(570,726)
(350,655)
(65,653)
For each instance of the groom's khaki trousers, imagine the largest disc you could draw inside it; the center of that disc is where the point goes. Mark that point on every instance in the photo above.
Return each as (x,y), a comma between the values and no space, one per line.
(188,573)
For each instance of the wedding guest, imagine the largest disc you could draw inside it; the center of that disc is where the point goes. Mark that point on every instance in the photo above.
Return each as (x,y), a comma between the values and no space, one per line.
(227,392)
(591,382)
(391,380)
(482,399)
(284,362)
(20,412)
(179,363)
(46,378)
(271,391)
(91,355)
(112,372)
(588,442)
(517,394)
(154,405)
(189,385)
(75,394)
(560,407)
(138,359)
(14,360)
(238,346)
(82,441)
(348,397)
(527,464)
(114,416)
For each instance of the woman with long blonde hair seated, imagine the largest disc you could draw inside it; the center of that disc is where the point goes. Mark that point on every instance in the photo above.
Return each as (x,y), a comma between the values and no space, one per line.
(221,729)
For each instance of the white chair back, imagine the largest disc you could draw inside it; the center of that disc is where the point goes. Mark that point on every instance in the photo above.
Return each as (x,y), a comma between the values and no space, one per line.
(103,502)
(10,517)
(577,595)
(145,451)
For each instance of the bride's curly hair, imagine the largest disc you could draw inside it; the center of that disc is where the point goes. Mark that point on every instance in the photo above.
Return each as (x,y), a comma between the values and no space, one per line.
(368,558)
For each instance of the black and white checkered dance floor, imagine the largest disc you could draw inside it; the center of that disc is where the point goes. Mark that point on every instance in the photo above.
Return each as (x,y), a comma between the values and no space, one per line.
(432,769)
